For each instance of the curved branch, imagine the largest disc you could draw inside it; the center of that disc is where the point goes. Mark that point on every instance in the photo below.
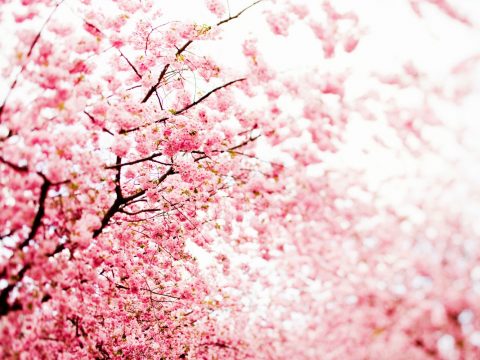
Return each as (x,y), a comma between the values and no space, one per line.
(151,91)
(121,200)
(40,212)
(133,162)
(189,106)
(207,95)
(164,71)
(230,18)
(15,167)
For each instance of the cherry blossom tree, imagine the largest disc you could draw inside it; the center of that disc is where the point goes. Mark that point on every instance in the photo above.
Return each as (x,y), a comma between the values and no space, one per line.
(158,203)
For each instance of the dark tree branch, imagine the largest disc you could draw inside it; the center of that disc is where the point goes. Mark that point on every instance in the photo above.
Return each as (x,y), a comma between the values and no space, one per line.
(14,166)
(154,87)
(189,106)
(129,63)
(8,234)
(5,307)
(9,135)
(120,286)
(185,46)
(108,215)
(230,18)
(207,95)
(118,185)
(140,211)
(133,162)
(160,294)
(103,352)
(159,100)
(242,144)
(121,200)
(40,212)
(95,121)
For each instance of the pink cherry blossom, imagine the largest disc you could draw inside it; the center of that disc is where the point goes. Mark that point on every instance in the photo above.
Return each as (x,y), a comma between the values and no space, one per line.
(159,202)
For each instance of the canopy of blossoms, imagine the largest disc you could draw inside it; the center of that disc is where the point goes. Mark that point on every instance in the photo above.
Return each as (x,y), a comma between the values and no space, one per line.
(237,180)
